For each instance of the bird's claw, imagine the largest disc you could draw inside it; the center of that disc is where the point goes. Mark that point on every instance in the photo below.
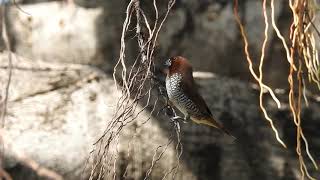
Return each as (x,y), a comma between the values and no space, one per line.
(176,118)
(169,111)
(175,121)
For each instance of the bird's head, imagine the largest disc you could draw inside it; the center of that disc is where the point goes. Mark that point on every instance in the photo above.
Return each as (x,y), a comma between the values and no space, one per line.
(177,64)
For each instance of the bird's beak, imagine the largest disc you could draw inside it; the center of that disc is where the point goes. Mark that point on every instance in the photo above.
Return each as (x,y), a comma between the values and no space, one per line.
(166,66)
(167,63)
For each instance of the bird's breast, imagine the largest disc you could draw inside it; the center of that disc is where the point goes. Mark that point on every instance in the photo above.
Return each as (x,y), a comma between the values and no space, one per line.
(173,85)
(178,97)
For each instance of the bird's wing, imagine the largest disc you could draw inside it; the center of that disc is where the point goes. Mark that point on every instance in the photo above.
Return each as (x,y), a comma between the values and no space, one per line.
(194,95)
(189,87)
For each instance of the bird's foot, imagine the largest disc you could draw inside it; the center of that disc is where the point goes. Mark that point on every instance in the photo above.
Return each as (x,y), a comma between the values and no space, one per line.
(175,121)
(177,118)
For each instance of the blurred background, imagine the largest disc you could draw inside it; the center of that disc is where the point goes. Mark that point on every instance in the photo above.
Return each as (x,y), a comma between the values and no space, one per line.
(62,94)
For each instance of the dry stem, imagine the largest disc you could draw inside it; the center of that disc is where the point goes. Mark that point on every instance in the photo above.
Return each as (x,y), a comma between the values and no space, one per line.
(136,85)
(303,50)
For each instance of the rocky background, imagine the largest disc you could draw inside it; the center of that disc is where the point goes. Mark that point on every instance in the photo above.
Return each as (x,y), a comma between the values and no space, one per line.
(62,94)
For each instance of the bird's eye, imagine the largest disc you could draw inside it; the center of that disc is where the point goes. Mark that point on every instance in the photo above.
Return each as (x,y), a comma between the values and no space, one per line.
(168,62)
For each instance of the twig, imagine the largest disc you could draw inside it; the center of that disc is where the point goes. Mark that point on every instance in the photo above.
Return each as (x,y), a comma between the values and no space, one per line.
(258,79)
(136,85)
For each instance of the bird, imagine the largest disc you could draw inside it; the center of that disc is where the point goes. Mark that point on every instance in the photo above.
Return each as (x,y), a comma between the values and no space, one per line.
(183,94)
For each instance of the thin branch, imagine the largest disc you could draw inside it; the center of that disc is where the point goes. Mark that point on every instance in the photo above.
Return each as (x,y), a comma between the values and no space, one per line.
(258,79)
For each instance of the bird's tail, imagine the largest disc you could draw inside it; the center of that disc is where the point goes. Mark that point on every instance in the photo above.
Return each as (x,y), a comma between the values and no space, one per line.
(213,123)
(223,129)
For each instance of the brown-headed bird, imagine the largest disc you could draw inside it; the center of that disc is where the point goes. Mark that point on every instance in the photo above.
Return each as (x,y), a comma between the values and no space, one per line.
(182,93)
